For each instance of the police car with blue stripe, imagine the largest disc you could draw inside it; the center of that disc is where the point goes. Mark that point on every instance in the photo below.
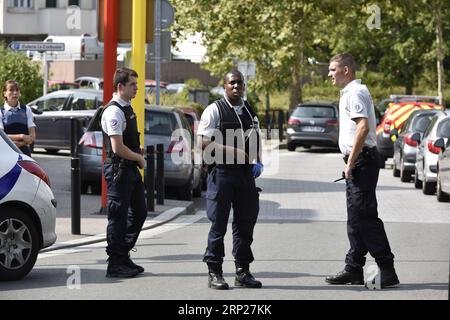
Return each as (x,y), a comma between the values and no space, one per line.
(27,211)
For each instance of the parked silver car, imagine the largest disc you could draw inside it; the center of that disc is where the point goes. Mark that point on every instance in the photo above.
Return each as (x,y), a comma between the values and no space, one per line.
(443,177)
(405,148)
(313,123)
(55,111)
(427,152)
(160,123)
(90,82)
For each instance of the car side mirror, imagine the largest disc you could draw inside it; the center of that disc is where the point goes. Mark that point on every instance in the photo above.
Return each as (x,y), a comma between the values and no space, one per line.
(394,132)
(35,110)
(440,143)
(416,137)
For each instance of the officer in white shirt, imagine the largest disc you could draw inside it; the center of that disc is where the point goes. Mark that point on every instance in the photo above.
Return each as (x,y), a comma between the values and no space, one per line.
(16,119)
(124,181)
(229,130)
(357,141)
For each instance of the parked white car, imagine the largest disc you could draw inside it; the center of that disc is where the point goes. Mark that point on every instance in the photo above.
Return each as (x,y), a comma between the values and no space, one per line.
(427,153)
(27,211)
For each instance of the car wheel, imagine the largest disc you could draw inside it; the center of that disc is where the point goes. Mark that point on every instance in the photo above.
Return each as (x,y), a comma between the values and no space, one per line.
(186,192)
(382,162)
(52,151)
(291,147)
(19,244)
(84,187)
(197,193)
(417,182)
(428,188)
(96,188)
(395,171)
(405,176)
(204,182)
(441,196)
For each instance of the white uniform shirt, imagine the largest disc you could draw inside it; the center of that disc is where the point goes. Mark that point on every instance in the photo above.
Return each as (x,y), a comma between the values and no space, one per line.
(113,119)
(210,119)
(30,118)
(355,102)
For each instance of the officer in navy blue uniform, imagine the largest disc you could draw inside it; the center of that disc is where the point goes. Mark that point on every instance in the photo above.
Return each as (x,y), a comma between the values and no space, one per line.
(16,119)
(229,130)
(357,141)
(124,181)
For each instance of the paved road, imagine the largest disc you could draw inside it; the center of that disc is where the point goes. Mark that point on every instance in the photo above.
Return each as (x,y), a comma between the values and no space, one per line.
(299,239)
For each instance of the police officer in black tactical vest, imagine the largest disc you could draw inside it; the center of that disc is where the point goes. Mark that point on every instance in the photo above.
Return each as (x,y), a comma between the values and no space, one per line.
(124,181)
(229,129)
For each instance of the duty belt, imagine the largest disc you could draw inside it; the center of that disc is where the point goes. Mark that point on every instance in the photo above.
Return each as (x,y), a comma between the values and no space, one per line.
(365,152)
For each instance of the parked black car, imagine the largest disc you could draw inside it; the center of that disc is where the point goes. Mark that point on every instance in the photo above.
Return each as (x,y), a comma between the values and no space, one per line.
(313,124)
(55,111)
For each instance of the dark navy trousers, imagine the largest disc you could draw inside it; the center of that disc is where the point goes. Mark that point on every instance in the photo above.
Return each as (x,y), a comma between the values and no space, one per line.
(364,229)
(124,225)
(231,188)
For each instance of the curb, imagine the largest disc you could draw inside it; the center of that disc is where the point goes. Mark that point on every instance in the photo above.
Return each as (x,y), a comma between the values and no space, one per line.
(163,218)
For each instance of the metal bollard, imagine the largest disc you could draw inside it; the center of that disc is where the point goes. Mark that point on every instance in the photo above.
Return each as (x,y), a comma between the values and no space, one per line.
(150,178)
(160,174)
(74,137)
(280,124)
(75,195)
(267,121)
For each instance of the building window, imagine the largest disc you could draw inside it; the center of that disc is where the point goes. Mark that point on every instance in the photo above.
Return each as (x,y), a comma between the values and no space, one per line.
(50,3)
(74,3)
(22,4)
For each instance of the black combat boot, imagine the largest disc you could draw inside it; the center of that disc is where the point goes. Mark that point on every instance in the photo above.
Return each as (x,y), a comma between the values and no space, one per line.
(118,269)
(245,279)
(346,277)
(388,278)
(215,278)
(129,263)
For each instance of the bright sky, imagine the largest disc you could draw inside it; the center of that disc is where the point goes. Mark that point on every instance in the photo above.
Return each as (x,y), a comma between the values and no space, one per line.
(190,49)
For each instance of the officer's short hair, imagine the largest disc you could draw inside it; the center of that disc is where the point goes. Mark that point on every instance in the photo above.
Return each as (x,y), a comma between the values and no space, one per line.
(122,76)
(233,72)
(7,83)
(345,60)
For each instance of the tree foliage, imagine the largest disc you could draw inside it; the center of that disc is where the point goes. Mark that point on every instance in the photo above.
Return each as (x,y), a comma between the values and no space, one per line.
(16,66)
(280,35)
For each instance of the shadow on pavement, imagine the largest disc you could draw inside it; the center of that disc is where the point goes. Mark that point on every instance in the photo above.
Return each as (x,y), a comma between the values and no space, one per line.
(270,185)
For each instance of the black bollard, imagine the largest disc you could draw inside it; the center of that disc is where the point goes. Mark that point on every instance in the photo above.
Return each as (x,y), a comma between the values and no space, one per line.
(160,174)
(75,195)
(280,124)
(150,178)
(267,122)
(74,137)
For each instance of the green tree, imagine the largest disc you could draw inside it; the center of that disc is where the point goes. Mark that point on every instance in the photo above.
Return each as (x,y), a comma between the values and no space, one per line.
(401,49)
(275,34)
(16,66)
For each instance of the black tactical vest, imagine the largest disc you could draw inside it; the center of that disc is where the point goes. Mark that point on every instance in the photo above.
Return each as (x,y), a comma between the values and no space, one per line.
(229,121)
(130,136)
(15,121)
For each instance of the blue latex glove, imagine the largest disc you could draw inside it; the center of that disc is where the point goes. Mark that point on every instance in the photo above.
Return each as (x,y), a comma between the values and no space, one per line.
(257,169)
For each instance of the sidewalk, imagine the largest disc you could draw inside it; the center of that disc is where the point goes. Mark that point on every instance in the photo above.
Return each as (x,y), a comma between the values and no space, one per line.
(93,225)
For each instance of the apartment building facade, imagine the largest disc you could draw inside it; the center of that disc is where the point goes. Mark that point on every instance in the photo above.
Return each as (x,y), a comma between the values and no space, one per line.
(34,20)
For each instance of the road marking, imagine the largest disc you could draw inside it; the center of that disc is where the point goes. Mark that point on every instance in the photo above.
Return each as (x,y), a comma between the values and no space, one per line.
(178,223)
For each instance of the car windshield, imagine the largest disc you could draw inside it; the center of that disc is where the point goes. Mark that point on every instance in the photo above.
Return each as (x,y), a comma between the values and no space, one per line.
(420,123)
(9,142)
(306,111)
(444,129)
(51,103)
(84,102)
(159,123)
